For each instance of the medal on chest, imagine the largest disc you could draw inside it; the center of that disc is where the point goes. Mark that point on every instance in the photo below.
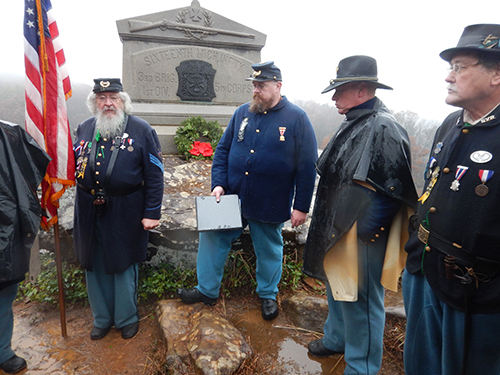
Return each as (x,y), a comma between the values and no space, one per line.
(432,182)
(481,189)
(282,130)
(458,175)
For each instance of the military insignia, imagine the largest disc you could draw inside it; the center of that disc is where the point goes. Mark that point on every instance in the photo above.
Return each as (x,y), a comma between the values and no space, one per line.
(432,164)
(487,119)
(196,81)
(282,130)
(82,165)
(481,157)
(241,131)
(490,42)
(104,84)
(438,147)
(432,182)
(484,175)
(130,148)
(458,175)
(80,147)
(256,73)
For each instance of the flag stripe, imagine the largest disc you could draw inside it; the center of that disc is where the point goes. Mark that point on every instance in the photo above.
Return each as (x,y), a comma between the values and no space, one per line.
(46,89)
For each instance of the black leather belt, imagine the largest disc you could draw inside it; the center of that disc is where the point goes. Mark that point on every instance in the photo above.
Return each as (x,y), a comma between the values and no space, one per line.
(479,265)
(112,193)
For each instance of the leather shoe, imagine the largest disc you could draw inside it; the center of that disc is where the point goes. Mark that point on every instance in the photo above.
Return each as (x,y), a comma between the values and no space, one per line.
(98,333)
(130,330)
(317,349)
(194,295)
(13,365)
(269,308)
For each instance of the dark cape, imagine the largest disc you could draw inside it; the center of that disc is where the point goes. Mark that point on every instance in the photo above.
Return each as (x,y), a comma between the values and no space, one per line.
(22,168)
(370,146)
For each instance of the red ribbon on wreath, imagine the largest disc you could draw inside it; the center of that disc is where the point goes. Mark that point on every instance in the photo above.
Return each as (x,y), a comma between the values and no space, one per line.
(201,148)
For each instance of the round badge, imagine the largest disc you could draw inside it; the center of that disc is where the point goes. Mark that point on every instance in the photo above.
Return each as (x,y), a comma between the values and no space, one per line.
(130,148)
(481,157)
(481,190)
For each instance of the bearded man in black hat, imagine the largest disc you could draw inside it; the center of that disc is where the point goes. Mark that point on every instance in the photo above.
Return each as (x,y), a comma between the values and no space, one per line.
(357,230)
(451,285)
(266,156)
(119,174)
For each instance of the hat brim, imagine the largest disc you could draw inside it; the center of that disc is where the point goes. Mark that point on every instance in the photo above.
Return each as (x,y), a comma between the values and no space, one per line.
(261,79)
(447,54)
(334,85)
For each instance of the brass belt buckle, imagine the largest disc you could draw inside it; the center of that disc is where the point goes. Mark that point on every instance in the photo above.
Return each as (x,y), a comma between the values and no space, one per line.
(423,234)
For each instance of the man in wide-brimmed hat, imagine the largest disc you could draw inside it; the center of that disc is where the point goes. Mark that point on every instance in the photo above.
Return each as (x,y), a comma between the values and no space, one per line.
(451,285)
(355,237)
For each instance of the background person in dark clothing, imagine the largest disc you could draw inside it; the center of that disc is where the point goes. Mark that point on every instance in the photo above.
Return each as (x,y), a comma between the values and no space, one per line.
(22,168)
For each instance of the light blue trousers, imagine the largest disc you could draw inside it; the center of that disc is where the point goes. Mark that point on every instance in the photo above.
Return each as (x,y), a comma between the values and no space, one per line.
(7,297)
(214,247)
(357,328)
(435,334)
(113,297)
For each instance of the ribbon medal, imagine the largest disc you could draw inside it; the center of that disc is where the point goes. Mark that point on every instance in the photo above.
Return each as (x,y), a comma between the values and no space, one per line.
(481,189)
(282,133)
(432,182)
(130,148)
(80,147)
(458,175)
(432,164)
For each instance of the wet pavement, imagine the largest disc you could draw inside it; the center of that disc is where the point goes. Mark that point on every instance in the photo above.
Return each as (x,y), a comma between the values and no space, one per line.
(279,348)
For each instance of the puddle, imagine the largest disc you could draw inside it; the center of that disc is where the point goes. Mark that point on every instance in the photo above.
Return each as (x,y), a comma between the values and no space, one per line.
(285,347)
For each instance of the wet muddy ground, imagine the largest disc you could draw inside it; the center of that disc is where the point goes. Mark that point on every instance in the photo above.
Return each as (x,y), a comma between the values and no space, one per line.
(279,348)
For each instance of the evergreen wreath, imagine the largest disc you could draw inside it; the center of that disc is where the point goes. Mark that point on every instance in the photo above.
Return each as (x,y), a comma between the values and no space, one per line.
(197,138)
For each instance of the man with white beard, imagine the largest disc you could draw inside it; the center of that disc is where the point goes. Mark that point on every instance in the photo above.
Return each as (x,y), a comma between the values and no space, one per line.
(119,174)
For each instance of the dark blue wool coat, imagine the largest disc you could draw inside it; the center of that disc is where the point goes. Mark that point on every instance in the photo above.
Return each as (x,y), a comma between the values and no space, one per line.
(268,160)
(125,240)
(462,216)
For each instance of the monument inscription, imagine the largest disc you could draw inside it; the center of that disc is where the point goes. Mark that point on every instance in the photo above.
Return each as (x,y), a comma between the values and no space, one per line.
(158,72)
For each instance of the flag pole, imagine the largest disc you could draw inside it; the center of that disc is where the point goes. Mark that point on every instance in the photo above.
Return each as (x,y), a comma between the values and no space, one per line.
(44,69)
(62,306)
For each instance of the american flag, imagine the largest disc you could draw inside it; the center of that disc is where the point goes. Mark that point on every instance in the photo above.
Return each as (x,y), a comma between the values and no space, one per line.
(47,86)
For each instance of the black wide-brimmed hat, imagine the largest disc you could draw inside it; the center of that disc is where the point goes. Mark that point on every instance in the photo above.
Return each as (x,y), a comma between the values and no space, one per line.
(107,84)
(265,71)
(477,38)
(356,69)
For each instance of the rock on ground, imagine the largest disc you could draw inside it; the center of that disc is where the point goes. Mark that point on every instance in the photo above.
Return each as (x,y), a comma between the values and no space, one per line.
(198,337)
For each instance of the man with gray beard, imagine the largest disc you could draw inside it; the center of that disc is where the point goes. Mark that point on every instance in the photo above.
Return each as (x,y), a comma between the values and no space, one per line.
(119,174)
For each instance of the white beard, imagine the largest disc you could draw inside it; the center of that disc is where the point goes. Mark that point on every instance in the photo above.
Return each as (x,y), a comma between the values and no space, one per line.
(110,127)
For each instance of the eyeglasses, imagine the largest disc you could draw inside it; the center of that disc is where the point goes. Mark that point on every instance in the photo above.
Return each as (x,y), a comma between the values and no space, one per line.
(113,98)
(456,67)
